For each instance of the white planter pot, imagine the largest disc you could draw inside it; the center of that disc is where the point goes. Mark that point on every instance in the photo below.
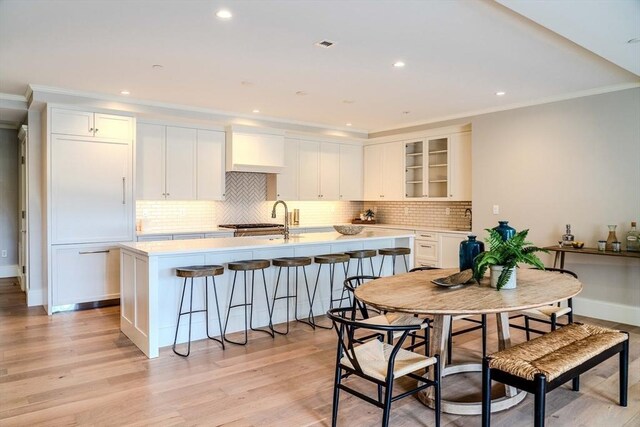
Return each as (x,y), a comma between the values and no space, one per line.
(495,274)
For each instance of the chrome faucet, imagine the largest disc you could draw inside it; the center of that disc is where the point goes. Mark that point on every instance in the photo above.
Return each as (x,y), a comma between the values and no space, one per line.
(468,210)
(286,217)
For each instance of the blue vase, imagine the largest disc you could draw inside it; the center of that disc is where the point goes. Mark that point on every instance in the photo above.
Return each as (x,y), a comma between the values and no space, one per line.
(504,230)
(469,249)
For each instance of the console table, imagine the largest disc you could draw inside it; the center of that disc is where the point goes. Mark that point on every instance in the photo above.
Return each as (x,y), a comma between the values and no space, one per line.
(561,251)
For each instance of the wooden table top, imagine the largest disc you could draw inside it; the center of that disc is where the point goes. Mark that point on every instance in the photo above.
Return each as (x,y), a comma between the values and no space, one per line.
(414,293)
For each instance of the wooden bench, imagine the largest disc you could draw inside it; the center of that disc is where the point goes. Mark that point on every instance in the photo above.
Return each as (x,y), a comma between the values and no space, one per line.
(544,363)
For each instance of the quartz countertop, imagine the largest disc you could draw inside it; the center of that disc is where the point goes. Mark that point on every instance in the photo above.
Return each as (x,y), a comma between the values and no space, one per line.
(171,247)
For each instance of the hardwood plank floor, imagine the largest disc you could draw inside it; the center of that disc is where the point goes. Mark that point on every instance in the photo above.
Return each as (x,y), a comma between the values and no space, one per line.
(77,368)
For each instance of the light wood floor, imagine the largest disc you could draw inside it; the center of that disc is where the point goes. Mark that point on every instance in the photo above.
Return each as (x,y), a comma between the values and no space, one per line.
(78,369)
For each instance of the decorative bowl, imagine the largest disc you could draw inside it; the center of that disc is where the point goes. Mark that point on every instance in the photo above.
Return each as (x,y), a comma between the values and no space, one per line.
(348,229)
(577,245)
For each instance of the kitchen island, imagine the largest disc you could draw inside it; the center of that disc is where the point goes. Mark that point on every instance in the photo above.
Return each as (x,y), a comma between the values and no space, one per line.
(150,291)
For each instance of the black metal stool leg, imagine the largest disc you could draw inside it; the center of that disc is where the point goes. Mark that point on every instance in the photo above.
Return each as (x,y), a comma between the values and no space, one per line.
(231,306)
(215,294)
(393,265)
(406,266)
(275,298)
(175,339)
(381,264)
(266,295)
(306,282)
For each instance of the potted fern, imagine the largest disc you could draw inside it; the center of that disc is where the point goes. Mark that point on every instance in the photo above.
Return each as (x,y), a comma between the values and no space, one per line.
(503,257)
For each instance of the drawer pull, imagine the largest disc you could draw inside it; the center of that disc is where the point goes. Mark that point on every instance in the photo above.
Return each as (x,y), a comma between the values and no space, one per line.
(105,251)
(426,246)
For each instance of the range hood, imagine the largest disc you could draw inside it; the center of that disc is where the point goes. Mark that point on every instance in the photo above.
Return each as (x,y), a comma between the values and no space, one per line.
(250,149)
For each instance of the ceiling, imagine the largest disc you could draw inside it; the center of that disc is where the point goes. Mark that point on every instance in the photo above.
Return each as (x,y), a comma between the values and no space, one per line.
(458,54)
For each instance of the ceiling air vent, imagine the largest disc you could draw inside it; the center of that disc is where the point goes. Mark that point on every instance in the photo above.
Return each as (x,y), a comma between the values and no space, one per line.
(325,44)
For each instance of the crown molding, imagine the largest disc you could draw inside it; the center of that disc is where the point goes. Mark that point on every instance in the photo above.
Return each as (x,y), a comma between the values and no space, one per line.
(580,94)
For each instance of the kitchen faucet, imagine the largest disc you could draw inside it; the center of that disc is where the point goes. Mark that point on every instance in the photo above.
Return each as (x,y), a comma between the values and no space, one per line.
(468,210)
(286,217)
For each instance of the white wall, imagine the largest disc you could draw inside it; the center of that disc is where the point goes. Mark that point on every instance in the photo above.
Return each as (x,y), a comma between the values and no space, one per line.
(9,201)
(572,162)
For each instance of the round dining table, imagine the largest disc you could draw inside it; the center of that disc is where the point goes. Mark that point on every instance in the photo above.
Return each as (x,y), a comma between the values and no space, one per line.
(415,293)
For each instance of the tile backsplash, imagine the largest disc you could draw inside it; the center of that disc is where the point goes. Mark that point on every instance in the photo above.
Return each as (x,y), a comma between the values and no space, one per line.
(425,214)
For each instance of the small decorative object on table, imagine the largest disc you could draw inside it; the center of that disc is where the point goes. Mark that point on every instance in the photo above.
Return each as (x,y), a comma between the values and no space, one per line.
(567,238)
(503,257)
(611,237)
(577,245)
(369,214)
(348,229)
(616,246)
(633,239)
(602,245)
(455,280)
(469,249)
(504,230)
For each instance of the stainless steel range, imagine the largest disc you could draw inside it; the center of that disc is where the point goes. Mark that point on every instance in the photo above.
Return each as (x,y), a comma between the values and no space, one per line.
(257,229)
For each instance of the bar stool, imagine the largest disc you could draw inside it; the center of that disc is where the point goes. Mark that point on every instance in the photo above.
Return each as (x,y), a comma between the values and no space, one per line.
(244,267)
(393,253)
(192,272)
(360,256)
(288,263)
(331,260)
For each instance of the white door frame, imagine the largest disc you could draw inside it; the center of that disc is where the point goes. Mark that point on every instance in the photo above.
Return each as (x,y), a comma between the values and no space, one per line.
(23,208)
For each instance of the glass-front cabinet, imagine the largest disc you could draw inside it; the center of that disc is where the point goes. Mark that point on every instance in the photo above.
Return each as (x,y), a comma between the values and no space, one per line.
(427,168)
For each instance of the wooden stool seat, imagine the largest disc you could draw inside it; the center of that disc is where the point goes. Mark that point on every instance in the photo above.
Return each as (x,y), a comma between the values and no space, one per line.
(291,261)
(394,251)
(200,271)
(331,258)
(248,265)
(364,253)
(545,363)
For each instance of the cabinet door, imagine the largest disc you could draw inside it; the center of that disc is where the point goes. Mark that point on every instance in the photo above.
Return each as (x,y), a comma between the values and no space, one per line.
(329,173)
(84,274)
(460,166)
(150,167)
(351,172)
(210,165)
(110,126)
(438,170)
(287,180)
(309,170)
(449,248)
(91,191)
(393,171)
(180,163)
(373,172)
(70,122)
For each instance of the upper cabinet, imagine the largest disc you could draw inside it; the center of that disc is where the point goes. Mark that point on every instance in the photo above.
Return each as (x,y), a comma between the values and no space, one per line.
(284,185)
(254,150)
(89,124)
(383,171)
(318,167)
(438,167)
(179,163)
(351,172)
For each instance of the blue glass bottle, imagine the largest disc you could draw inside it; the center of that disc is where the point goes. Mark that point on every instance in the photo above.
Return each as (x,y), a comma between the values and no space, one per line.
(504,230)
(469,249)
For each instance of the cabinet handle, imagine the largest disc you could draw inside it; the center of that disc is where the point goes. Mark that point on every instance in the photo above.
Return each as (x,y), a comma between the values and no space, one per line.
(426,246)
(96,131)
(123,190)
(91,130)
(105,251)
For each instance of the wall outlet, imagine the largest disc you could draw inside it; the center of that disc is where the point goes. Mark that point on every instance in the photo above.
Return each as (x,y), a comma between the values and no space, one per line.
(496,209)
(447,211)
(3,253)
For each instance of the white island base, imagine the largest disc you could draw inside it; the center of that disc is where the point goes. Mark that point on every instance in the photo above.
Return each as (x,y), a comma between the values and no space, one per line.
(150,291)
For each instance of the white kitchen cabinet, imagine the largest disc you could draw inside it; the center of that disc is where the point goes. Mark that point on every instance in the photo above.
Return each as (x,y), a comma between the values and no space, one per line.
(383,171)
(91,191)
(89,124)
(449,250)
(179,163)
(284,185)
(319,171)
(84,273)
(210,165)
(251,149)
(460,169)
(351,172)
(426,249)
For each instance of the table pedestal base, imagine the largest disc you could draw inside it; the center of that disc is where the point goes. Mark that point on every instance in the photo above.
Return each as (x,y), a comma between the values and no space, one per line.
(512,396)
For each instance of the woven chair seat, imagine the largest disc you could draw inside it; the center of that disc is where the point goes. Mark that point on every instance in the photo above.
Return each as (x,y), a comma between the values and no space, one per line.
(557,352)
(373,358)
(394,319)
(545,313)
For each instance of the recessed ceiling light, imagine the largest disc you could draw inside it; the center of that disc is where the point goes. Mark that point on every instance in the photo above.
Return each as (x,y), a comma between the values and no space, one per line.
(348,101)
(157,66)
(224,14)
(256,110)
(125,92)
(348,124)
(500,93)
(398,64)
(406,112)
(325,44)
(301,93)
(634,40)
(246,83)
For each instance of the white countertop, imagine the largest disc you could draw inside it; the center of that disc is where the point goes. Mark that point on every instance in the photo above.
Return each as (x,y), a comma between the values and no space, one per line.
(171,247)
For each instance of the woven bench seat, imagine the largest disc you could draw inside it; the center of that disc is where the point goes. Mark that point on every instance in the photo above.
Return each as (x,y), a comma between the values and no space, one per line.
(556,353)
(545,363)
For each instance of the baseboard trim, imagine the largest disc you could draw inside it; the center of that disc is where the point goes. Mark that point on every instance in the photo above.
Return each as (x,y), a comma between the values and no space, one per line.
(35,297)
(613,312)
(8,271)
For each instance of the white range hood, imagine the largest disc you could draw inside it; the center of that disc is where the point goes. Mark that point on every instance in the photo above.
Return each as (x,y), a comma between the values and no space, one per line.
(252,149)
